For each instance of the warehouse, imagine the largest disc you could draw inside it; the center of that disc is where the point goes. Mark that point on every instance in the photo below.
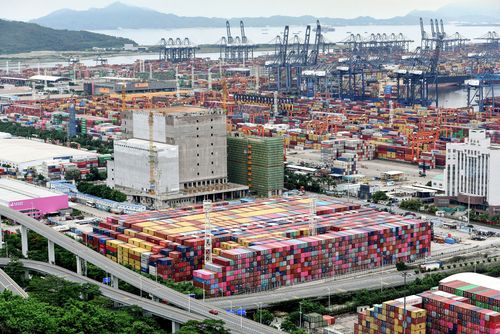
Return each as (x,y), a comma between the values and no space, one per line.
(23,154)
(260,244)
(29,199)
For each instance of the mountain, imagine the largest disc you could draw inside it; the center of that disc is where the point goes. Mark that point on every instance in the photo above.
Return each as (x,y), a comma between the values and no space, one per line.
(25,37)
(118,15)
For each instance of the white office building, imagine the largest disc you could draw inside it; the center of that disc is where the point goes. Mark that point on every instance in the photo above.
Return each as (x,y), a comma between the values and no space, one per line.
(472,172)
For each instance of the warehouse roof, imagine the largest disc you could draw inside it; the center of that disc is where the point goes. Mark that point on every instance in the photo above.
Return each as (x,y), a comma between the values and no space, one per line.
(473,278)
(19,150)
(12,190)
(176,109)
(50,78)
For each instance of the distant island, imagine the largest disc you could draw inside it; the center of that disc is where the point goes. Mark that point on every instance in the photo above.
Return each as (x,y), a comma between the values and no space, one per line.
(118,15)
(17,37)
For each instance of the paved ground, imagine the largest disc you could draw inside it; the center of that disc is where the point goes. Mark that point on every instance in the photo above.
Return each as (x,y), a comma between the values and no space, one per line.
(91,211)
(372,168)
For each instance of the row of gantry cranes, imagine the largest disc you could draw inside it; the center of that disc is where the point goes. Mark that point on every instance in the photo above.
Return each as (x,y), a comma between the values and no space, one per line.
(296,68)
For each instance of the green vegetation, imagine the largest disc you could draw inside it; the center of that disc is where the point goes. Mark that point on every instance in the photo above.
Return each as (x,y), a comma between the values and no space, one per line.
(94,175)
(27,37)
(296,181)
(263,315)
(208,326)
(483,217)
(56,137)
(58,306)
(411,204)
(379,196)
(73,175)
(401,266)
(101,190)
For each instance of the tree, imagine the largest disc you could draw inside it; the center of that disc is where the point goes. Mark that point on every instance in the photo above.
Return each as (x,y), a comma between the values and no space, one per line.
(265,315)
(208,326)
(288,326)
(101,190)
(72,175)
(379,196)
(401,266)
(16,271)
(411,204)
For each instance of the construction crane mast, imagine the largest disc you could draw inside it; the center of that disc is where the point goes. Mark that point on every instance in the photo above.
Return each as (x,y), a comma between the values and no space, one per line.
(152,154)
(312,217)
(207,208)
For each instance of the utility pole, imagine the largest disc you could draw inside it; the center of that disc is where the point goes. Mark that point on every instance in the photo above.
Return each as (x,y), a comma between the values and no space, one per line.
(405,274)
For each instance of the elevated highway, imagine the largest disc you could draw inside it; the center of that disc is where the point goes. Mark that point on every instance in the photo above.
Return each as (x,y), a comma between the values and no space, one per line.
(234,323)
(7,283)
(121,297)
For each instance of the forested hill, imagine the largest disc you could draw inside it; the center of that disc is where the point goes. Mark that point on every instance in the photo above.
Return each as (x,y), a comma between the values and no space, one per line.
(24,37)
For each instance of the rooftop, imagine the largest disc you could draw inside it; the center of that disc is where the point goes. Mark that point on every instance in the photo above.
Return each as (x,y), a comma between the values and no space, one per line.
(175,109)
(473,278)
(50,78)
(19,150)
(12,190)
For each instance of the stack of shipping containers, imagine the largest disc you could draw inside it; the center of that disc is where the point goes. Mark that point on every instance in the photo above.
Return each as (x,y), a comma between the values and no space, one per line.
(457,307)
(260,244)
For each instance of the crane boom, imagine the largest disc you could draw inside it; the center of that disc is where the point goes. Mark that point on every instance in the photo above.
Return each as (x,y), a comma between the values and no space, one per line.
(229,37)
(244,39)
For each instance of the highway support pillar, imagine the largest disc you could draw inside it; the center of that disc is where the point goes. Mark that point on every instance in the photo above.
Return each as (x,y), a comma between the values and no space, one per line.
(24,241)
(1,233)
(52,254)
(175,327)
(78,265)
(114,282)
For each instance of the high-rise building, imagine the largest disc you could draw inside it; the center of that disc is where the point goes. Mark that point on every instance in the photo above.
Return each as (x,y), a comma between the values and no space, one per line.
(199,134)
(471,174)
(256,162)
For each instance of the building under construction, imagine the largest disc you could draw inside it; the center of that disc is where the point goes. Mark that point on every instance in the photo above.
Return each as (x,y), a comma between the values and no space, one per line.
(256,162)
(199,135)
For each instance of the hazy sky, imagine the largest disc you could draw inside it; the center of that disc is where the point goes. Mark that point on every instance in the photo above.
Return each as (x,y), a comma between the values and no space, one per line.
(29,9)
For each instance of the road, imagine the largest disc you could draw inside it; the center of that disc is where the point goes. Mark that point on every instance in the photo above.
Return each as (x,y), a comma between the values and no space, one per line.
(92,211)
(369,280)
(122,297)
(7,283)
(397,210)
(232,322)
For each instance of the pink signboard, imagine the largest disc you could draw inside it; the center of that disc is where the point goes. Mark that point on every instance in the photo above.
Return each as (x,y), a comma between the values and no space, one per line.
(44,205)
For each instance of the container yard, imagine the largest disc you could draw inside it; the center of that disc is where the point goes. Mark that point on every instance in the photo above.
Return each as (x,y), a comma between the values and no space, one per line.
(455,306)
(262,244)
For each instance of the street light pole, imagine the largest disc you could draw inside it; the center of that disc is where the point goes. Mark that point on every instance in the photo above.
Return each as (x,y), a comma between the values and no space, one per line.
(241,317)
(300,313)
(329,293)
(405,274)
